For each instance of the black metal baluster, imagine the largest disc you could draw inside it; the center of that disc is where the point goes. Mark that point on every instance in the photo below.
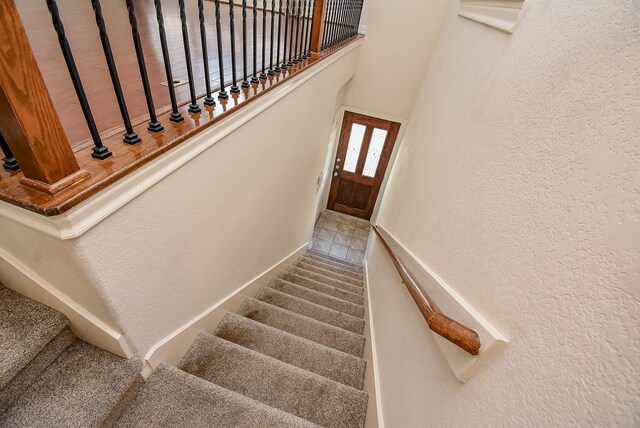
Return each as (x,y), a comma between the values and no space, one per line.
(9,162)
(351,19)
(176,116)
(222,94)
(356,12)
(245,81)
(325,31)
(100,151)
(208,100)
(349,22)
(295,50)
(154,125)
(361,5)
(343,13)
(263,75)
(273,9)
(336,34)
(293,13)
(254,78)
(286,26)
(341,20)
(277,69)
(193,107)
(130,137)
(232,30)
(336,20)
(313,17)
(305,29)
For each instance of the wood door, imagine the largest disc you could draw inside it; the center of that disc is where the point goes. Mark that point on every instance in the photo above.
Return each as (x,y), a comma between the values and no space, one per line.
(363,155)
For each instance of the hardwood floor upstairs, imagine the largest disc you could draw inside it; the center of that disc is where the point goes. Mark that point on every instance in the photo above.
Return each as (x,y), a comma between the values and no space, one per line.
(81,101)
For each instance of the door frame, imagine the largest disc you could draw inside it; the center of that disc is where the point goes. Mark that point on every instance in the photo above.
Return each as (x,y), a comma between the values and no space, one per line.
(335,142)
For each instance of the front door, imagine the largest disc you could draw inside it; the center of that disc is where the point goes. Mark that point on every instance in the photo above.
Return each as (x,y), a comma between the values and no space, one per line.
(363,155)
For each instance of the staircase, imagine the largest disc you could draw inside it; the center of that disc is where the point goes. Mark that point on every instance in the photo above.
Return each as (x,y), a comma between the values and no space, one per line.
(49,378)
(292,356)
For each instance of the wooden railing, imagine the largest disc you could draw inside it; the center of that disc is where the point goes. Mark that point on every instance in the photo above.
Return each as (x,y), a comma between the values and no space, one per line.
(439,323)
(48,173)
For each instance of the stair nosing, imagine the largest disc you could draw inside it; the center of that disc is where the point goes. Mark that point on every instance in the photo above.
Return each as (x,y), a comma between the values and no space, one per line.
(324,277)
(348,278)
(318,307)
(204,387)
(215,372)
(320,294)
(58,320)
(331,262)
(314,257)
(335,259)
(309,343)
(359,296)
(271,360)
(327,267)
(275,308)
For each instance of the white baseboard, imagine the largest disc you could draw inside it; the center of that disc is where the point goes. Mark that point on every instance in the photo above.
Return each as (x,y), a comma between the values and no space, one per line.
(374,355)
(172,348)
(86,326)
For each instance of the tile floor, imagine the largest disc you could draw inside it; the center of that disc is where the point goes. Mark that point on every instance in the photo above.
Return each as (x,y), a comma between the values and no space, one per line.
(341,236)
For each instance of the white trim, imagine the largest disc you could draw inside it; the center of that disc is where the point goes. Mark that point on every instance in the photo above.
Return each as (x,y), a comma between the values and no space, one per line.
(78,220)
(147,371)
(504,15)
(374,353)
(84,324)
(362,29)
(172,348)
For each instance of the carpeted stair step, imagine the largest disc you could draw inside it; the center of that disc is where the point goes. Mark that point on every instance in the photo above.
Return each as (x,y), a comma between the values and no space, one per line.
(299,325)
(325,265)
(305,354)
(330,274)
(341,264)
(311,310)
(317,297)
(305,263)
(174,398)
(84,387)
(275,383)
(321,287)
(344,264)
(333,259)
(32,336)
(327,280)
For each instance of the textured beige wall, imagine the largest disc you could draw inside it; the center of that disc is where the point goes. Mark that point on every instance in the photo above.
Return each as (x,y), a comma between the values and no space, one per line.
(400,39)
(220,220)
(53,260)
(518,183)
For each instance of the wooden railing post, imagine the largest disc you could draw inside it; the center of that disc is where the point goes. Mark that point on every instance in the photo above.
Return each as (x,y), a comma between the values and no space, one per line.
(316,29)
(28,119)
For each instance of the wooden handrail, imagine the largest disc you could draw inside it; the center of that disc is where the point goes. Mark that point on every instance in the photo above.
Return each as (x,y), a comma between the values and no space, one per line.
(453,331)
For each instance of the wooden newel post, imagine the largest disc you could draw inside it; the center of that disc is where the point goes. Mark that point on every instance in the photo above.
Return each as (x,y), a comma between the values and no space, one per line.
(316,29)
(28,119)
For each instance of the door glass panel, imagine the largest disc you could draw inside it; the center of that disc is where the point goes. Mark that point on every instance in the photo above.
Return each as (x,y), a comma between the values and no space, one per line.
(373,154)
(353,149)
